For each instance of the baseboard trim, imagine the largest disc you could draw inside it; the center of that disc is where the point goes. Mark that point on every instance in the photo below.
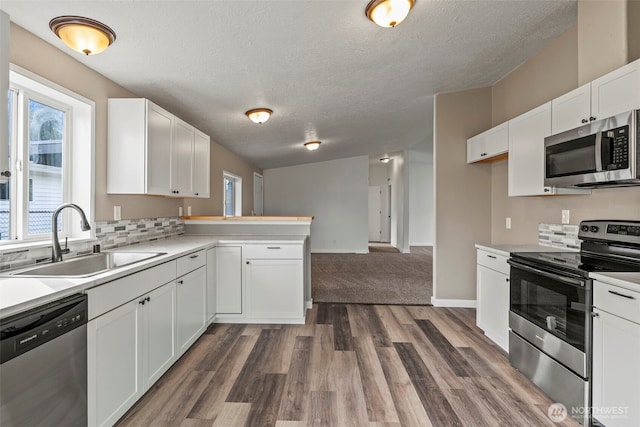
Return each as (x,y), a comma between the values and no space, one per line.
(340,251)
(420,244)
(462,303)
(309,304)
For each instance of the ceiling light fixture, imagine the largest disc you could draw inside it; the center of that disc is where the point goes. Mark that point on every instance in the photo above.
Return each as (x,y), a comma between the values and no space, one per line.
(83,35)
(259,115)
(385,159)
(312,145)
(388,13)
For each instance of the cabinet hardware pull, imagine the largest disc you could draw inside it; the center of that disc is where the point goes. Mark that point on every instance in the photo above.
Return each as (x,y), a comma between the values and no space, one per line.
(540,338)
(148,299)
(274,247)
(247,262)
(622,295)
(507,279)
(595,314)
(141,301)
(584,121)
(492,256)
(591,118)
(180,282)
(193,256)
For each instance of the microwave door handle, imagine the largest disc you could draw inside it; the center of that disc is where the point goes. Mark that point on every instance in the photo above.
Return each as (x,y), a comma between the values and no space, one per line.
(598,151)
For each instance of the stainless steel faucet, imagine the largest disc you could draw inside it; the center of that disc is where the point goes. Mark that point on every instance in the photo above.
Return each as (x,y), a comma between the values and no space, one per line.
(56,251)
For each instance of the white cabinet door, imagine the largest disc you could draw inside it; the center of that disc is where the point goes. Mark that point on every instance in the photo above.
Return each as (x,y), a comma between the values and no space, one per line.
(229,279)
(182,158)
(4,87)
(526,151)
(201,147)
(191,307)
(616,371)
(571,110)
(158,332)
(211,284)
(275,288)
(492,315)
(159,150)
(489,144)
(616,92)
(114,379)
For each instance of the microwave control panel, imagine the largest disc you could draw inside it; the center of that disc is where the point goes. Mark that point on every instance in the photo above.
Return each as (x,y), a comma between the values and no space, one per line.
(618,140)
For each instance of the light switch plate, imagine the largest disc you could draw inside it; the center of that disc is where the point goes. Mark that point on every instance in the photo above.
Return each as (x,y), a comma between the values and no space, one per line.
(117,213)
(565,216)
(179,210)
(188,210)
(507,223)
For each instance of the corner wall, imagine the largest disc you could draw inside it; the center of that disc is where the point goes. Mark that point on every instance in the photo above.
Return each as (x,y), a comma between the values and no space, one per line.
(462,194)
(334,192)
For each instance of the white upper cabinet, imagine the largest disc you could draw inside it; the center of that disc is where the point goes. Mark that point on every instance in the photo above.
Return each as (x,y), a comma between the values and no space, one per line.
(571,110)
(150,151)
(611,94)
(488,144)
(201,147)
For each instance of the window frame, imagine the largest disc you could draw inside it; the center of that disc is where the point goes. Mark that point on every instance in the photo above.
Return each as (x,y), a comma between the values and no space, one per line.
(78,159)
(237,193)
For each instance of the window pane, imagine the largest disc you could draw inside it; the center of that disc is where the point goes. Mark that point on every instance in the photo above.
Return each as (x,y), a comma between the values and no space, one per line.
(5,219)
(46,135)
(228,197)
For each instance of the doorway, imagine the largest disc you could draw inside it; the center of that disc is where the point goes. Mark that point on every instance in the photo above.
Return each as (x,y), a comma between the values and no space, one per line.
(380,214)
(258,195)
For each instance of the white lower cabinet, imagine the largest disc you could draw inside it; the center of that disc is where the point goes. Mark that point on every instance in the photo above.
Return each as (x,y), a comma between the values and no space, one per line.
(616,346)
(229,279)
(191,307)
(113,364)
(211,284)
(492,313)
(274,288)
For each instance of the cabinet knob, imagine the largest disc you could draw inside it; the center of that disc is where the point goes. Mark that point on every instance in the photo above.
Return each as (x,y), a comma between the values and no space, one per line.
(180,282)
(507,279)
(591,118)
(141,301)
(148,299)
(595,315)
(483,154)
(247,262)
(546,190)
(584,121)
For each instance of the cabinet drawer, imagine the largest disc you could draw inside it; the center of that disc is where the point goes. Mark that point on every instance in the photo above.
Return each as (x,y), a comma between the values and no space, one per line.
(616,300)
(493,261)
(271,251)
(192,261)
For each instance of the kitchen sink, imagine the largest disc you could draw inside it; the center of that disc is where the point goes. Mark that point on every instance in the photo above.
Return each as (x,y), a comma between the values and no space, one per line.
(87,265)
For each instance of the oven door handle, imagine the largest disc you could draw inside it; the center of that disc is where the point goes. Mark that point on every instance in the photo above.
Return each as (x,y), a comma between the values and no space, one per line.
(560,278)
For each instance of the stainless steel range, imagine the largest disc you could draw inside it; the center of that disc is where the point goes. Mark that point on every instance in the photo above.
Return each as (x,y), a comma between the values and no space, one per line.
(550,309)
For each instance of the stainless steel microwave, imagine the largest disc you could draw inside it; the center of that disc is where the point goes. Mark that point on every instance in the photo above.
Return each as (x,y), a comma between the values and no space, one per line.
(603,153)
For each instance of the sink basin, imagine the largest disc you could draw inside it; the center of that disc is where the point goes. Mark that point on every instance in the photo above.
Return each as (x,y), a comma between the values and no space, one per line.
(87,265)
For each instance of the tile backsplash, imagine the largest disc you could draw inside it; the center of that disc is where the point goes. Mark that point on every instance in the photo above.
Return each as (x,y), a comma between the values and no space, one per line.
(559,236)
(108,234)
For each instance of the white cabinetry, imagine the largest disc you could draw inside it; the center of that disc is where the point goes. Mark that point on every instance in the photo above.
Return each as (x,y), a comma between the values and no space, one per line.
(229,279)
(211,284)
(492,314)
(150,151)
(488,144)
(191,302)
(526,154)
(611,94)
(616,346)
(201,147)
(4,87)
(274,282)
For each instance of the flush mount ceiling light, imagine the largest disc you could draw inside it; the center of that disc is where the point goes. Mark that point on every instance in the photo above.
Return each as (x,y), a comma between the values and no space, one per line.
(259,115)
(388,13)
(385,159)
(83,35)
(312,145)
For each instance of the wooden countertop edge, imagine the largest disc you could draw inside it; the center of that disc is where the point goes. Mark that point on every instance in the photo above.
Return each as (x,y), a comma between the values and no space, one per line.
(248,218)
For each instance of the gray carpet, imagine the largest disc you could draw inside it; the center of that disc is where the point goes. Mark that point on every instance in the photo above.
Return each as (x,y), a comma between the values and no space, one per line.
(379,277)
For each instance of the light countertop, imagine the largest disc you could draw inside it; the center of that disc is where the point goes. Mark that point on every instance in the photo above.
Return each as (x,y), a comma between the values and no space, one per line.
(246,218)
(626,280)
(506,250)
(18,294)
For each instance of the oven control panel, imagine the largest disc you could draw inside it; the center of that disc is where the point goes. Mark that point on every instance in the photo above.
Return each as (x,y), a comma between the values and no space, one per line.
(610,230)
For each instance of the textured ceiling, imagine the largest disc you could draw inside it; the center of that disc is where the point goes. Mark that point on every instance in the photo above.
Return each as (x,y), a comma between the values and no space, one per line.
(326,70)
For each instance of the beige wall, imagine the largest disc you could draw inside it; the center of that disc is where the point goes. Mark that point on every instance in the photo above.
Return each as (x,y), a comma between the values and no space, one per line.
(462,192)
(39,57)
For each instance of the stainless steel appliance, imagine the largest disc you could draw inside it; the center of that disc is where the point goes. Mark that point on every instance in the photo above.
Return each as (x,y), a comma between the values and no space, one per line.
(43,365)
(602,153)
(550,310)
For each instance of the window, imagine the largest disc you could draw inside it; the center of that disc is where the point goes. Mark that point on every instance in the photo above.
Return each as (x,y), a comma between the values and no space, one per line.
(232,194)
(50,158)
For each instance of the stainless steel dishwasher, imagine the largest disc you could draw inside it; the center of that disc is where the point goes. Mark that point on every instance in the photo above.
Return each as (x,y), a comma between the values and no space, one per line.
(43,365)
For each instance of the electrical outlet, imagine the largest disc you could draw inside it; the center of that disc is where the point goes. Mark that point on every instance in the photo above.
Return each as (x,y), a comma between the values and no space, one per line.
(565,216)
(507,223)
(117,213)
(188,210)
(179,210)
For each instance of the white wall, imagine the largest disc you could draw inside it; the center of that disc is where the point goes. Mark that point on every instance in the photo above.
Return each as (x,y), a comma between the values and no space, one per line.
(421,213)
(398,173)
(378,174)
(334,192)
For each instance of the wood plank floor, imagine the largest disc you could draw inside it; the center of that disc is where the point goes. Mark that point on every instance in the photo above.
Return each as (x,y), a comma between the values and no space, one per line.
(350,365)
